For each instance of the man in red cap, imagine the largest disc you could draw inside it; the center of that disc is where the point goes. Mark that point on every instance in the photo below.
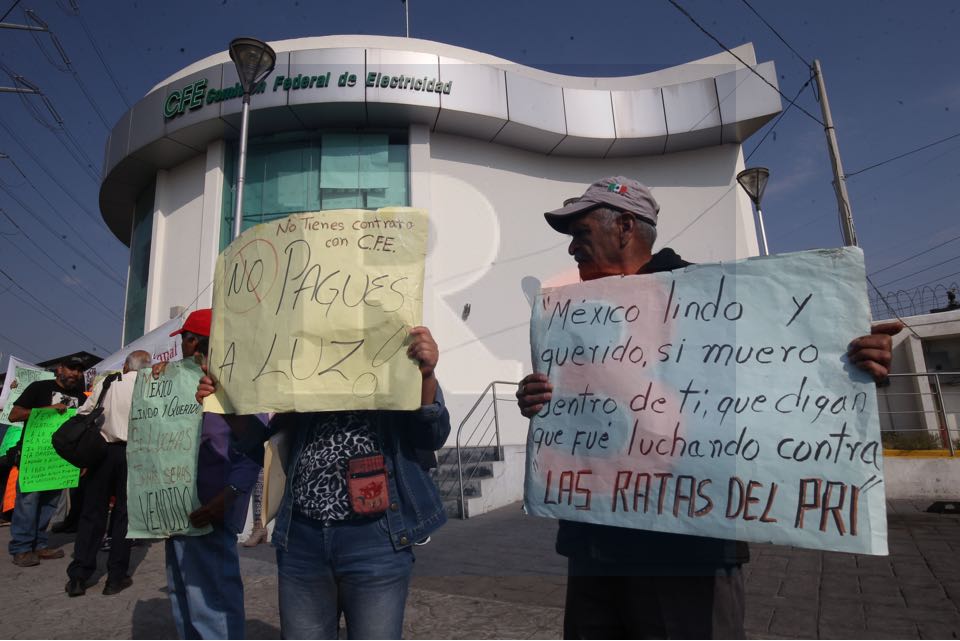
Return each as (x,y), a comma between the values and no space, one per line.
(627,583)
(195,333)
(203,572)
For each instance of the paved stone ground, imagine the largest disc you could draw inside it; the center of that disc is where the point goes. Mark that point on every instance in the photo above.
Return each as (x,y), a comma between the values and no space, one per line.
(496,576)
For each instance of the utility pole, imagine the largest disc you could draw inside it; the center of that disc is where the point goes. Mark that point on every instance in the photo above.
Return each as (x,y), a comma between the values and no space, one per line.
(839,182)
(406,14)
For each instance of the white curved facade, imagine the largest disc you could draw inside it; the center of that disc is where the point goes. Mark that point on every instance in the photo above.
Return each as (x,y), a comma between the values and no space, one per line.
(486,153)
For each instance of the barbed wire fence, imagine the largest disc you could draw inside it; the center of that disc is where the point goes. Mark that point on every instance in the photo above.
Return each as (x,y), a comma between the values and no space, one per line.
(911,302)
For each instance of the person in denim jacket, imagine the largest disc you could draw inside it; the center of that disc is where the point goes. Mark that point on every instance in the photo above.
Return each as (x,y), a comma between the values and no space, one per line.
(329,559)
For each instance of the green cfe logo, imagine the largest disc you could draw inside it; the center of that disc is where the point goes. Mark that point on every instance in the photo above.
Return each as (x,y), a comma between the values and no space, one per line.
(189,97)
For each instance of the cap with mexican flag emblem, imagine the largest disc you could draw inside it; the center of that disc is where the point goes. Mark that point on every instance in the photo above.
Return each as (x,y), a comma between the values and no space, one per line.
(616,192)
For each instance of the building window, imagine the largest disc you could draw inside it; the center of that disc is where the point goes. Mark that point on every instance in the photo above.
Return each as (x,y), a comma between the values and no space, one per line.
(140,240)
(288,174)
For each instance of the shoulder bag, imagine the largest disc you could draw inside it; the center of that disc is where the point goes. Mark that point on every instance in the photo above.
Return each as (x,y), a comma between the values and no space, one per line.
(78,441)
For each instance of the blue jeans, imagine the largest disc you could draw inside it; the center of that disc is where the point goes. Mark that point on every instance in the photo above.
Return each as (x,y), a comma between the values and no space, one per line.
(349,567)
(206,591)
(31,516)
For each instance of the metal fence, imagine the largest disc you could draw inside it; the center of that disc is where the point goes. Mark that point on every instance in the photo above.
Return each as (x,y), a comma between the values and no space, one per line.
(921,412)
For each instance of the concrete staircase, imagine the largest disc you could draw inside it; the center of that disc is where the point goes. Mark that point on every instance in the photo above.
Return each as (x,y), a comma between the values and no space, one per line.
(493,477)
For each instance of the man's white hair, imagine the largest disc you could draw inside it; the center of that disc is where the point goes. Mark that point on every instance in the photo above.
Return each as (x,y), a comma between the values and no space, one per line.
(136,360)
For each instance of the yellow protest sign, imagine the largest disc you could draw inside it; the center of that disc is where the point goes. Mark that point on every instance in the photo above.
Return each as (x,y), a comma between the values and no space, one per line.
(312,313)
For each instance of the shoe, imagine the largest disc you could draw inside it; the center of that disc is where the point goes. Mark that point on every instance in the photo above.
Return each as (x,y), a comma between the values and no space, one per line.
(46,554)
(423,541)
(258,536)
(26,559)
(113,587)
(75,587)
(105,545)
(4,523)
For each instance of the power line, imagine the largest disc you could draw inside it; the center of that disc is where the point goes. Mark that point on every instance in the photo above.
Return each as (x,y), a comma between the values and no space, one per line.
(55,278)
(42,166)
(938,279)
(79,284)
(50,315)
(741,60)
(777,34)
(18,345)
(83,161)
(79,235)
(717,106)
(12,7)
(920,253)
(113,277)
(780,117)
(77,152)
(13,342)
(93,43)
(919,271)
(68,68)
(50,311)
(903,155)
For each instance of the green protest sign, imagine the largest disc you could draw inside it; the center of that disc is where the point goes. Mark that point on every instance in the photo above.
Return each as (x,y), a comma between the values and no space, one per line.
(41,468)
(10,438)
(163,442)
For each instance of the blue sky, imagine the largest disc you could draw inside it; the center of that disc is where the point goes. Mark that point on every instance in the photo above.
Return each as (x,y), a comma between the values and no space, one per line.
(890,70)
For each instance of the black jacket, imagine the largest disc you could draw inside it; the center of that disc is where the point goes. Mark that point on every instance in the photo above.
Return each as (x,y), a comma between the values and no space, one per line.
(658,552)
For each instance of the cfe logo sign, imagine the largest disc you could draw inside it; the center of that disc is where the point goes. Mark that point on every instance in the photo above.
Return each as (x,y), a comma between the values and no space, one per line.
(194,95)
(189,97)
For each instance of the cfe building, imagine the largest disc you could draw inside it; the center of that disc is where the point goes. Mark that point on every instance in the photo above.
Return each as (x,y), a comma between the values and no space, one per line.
(484,144)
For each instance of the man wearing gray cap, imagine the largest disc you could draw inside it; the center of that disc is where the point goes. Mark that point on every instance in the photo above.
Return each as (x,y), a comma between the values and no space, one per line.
(627,583)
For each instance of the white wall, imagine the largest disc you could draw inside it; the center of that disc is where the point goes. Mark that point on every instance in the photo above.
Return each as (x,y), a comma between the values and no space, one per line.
(489,244)
(186,235)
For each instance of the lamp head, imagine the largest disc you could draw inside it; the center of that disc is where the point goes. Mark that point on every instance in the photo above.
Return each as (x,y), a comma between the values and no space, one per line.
(754,181)
(254,59)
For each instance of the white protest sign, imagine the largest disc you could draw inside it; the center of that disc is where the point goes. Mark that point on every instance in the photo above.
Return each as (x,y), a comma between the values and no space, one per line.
(19,376)
(715,400)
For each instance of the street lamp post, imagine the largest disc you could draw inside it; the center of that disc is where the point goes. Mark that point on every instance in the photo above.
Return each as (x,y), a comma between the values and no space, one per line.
(255,60)
(754,181)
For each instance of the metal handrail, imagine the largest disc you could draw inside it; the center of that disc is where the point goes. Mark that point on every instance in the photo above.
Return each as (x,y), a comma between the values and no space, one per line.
(939,407)
(910,374)
(496,420)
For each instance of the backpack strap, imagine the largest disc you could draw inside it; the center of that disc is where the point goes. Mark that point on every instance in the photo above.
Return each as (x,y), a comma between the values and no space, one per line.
(106,385)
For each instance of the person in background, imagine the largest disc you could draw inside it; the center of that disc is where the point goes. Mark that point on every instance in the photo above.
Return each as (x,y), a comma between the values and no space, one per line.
(6,466)
(628,583)
(32,511)
(203,572)
(105,481)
